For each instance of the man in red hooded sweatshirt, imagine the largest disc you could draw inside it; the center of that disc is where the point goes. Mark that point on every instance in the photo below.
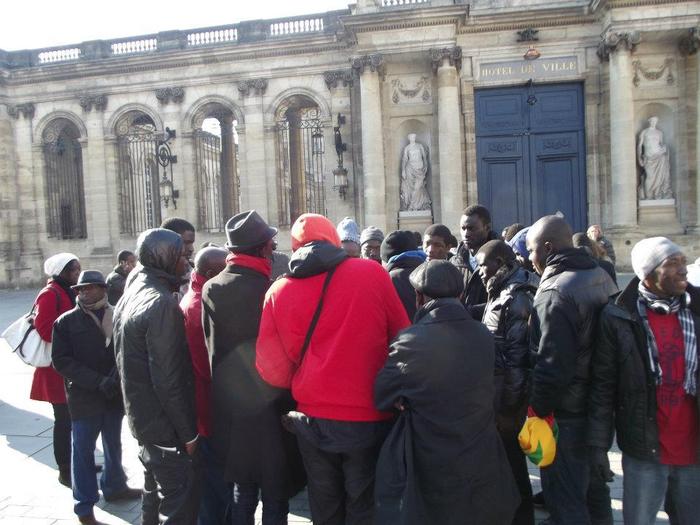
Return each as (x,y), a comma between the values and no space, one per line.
(332,366)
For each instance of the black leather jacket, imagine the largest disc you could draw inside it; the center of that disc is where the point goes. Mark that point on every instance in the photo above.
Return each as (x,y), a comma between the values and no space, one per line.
(507,314)
(572,292)
(152,355)
(623,391)
(116,282)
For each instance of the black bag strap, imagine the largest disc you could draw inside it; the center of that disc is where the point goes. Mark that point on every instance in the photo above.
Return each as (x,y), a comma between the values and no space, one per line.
(317,314)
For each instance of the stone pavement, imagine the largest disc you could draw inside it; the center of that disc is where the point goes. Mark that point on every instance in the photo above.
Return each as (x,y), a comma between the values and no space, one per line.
(29,491)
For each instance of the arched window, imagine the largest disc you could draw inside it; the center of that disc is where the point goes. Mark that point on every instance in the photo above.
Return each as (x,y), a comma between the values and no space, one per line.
(139,192)
(65,196)
(216,167)
(301,147)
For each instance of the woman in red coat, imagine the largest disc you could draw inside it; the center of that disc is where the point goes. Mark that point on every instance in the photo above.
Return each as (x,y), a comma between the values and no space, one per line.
(56,298)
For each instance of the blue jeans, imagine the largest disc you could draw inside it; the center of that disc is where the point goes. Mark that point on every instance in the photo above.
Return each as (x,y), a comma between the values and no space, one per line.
(216,493)
(113,479)
(565,482)
(645,485)
(245,501)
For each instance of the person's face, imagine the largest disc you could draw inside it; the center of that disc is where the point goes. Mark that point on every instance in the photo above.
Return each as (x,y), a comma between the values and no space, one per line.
(370,250)
(128,264)
(435,247)
(670,278)
(188,239)
(71,272)
(594,233)
(351,248)
(487,266)
(91,293)
(269,248)
(539,252)
(474,231)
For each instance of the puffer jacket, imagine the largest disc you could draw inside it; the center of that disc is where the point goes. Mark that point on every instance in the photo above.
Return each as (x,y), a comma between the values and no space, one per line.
(400,268)
(151,348)
(507,314)
(474,296)
(623,391)
(116,282)
(572,293)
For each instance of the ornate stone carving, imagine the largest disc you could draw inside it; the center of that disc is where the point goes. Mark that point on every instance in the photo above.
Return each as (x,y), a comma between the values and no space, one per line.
(652,155)
(374,62)
(334,78)
(257,86)
(612,40)
(87,102)
(453,54)
(690,43)
(167,95)
(528,35)
(418,93)
(652,74)
(27,110)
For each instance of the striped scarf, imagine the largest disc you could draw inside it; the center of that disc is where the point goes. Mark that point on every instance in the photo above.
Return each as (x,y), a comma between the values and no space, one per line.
(674,305)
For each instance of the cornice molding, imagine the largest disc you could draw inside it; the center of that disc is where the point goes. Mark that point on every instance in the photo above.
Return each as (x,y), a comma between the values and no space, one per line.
(525,23)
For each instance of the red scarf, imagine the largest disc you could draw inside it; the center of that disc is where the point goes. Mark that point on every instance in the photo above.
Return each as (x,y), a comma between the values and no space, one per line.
(258,264)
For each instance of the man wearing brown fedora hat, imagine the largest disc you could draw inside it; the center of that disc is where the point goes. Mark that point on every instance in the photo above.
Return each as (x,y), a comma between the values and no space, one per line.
(257,454)
(83,353)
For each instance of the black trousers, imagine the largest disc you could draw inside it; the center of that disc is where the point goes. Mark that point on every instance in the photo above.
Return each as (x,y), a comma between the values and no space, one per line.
(525,514)
(61,437)
(171,486)
(341,484)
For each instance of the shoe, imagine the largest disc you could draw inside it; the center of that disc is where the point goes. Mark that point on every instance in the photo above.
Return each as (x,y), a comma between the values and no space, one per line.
(538,499)
(89,520)
(64,478)
(127,493)
(98,469)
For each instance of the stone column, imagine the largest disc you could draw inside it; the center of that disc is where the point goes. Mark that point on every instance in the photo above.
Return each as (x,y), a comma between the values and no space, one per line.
(690,45)
(9,212)
(617,48)
(370,70)
(446,63)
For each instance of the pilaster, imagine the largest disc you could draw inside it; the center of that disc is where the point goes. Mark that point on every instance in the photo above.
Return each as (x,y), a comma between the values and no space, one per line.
(9,204)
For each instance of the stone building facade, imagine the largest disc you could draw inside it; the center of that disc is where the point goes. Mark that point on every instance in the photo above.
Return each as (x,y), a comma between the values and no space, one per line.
(529,106)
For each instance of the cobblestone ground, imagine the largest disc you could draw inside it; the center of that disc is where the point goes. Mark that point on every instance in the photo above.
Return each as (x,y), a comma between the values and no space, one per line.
(29,490)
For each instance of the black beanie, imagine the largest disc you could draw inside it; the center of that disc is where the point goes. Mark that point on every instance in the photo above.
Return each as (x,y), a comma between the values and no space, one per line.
(397,242)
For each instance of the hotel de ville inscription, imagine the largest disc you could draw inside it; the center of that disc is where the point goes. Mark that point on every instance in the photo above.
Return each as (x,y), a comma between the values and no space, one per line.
(541,69)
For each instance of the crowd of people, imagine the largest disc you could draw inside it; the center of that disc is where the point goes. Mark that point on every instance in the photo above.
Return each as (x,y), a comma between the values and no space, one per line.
(402,379)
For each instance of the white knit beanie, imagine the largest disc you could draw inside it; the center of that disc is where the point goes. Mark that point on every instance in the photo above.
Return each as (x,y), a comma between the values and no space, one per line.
(649,253)
(55,264)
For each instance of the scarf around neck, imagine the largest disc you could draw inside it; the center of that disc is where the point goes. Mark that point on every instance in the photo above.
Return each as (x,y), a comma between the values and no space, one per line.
(674,305)
(106,324)
(257,264)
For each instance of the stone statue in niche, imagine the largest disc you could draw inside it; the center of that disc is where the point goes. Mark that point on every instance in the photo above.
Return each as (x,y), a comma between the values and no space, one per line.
(414,169)
(652,155)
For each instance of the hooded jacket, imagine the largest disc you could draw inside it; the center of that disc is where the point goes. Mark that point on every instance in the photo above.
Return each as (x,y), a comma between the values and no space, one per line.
(573,291)
(116,282)
(400,268)
(361,313)
(151,347)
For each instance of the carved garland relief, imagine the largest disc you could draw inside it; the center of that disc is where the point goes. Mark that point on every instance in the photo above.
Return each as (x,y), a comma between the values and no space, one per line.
(411,90)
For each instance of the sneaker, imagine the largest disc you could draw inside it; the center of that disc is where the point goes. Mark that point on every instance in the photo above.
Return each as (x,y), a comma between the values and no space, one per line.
(89,520)
(127,493)
(538,499)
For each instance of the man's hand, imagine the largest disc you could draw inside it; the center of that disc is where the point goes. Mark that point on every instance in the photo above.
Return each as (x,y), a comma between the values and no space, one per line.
(600,464)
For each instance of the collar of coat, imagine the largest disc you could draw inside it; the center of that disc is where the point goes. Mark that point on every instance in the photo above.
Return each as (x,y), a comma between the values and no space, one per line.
(441,310)
(570,259)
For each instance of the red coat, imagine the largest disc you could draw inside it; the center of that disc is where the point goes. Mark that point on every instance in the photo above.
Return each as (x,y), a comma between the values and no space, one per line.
(361,314)
(47,384)
(191,306)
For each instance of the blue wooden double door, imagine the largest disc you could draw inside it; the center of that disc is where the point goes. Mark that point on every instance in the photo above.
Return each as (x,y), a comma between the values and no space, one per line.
(531,153)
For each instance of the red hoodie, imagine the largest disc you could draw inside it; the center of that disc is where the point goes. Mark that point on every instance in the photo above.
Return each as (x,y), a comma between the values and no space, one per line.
(361,314)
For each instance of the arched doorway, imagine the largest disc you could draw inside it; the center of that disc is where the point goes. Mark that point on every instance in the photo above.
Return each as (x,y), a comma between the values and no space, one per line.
(301,147)
(65,196)
(216,167)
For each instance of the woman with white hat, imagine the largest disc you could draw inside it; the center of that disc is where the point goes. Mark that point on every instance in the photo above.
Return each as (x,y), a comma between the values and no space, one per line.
(54,299)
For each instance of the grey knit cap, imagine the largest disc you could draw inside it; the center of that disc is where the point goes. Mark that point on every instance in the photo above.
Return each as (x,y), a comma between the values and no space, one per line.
(371,233)
(348,230)
(649,253)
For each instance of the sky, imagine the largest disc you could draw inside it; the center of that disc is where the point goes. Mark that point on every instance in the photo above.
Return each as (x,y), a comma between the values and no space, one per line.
(31,24)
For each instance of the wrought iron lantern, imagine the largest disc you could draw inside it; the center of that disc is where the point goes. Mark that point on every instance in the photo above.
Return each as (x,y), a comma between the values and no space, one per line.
(166,159)
(317,146)
(340,181)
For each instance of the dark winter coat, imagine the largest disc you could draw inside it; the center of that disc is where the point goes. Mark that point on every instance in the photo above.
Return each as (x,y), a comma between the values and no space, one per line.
(116,281)
(79,354)
(443,462)
(399,269)
(246,427)
(152,355)
(623,389)
(474,296)
(573,290)
(507,315)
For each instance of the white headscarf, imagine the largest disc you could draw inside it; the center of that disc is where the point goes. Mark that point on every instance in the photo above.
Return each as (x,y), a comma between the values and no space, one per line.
(55,264)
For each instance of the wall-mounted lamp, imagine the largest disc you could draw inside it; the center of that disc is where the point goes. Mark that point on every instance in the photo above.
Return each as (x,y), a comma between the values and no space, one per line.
(317,144)
(166,159)
(340,181)
(340,174)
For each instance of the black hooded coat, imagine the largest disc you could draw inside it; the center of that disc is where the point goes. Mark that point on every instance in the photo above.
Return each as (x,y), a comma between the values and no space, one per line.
(443,462)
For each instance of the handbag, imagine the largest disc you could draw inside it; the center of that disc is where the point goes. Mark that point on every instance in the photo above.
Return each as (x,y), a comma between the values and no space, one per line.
(26,342)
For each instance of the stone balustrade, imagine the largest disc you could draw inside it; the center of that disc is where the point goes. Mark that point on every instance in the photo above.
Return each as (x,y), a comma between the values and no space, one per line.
(243,32)
(402,3)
